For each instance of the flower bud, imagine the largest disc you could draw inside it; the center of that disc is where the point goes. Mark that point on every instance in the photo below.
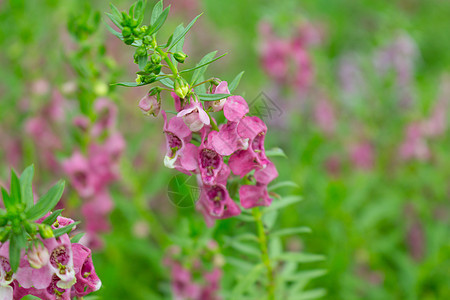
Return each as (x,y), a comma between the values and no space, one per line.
(180,56)
(129,40)
(157,69)
(147,40)
(31,228)
(181,87)
(155,58)
(45,231)
(126,32)
(4,234)
(38,256)
(150,105)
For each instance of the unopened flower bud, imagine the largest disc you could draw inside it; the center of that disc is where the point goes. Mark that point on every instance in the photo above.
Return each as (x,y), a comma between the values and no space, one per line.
(147,40)
(31,228)
(45,231)
(38,256)
(129,40)
(150,105)
(157,69)
(155,58)
(180,56)
(126,32)
(4,234)
(181,87)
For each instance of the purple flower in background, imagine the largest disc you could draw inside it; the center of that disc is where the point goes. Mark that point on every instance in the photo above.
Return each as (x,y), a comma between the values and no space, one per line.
(325,116)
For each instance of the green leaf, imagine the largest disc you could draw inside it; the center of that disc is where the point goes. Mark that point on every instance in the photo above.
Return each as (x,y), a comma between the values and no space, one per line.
(46,202)
(275,152)
(63,230)
(234,84)
(168,42)
(290,231)
(181,35)
(16,194)
(285,201)
(129,84)
(238,263)
(115,20)
(282,184)
(167,82)
(308,295)
(156,12)
(26,186)
(247,281)
(199,72)
(202,65)
(115,11)
(245,248)
(159,22)
(139,11)
(6,199)
(17,242)
(110,29)
(52,218)
(213,97)
(299,257)
(142,61)
(77,237)
(305,275)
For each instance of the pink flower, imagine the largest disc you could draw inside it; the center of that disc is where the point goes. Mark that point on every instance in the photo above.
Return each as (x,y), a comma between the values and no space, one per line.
(194,116)
(235,108)
(414,145)
(210,162)
(150,105)
(38,256)
(212,285)
(362,155)
(254,195)
(215,203)
(218,105)
(178,136)
(87,279)
(61,260)
(107,115)
(6,274)
(324,115)
(79,171)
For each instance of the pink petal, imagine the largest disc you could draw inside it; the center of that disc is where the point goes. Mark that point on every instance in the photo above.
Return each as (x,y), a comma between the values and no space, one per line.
(235,108)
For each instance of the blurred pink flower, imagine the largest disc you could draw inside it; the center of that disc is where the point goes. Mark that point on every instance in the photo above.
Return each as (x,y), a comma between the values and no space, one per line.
(325,116)
(362,155)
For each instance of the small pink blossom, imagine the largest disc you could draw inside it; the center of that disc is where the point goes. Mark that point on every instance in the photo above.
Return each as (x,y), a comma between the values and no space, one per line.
(194,116)
(150,105)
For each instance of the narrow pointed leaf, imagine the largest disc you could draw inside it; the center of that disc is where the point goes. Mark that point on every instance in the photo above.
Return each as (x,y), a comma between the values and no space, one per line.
(159,22)
(16,194)
(52,218)
(157,10)
(26,186)
(181,35)
(77,237)
(46,202)
(63,230)
(234,84)
(212,97)
(201,71)
(202,65)
(290,231)
(285,201)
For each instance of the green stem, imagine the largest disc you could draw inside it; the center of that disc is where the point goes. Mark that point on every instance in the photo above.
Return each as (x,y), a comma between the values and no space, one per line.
(262,237)
(168,61)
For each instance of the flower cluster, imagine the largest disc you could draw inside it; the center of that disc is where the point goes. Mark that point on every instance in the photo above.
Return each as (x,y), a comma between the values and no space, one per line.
(195,281)
(236,146)
(288,61)
(51,268)
(91,174)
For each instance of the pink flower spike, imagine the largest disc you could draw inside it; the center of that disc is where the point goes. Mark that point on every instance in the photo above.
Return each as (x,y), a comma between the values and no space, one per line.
(107,115)
(235,108)
(77,167)
(254,195)
(194,116)
(177,136)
